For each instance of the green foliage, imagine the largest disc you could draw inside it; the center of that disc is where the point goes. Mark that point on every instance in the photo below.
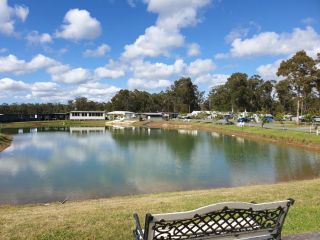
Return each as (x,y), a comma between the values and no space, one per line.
(279,116)
(241,93)
(183,96)
(308,118)
(301,83)
(301,79)
(186,95)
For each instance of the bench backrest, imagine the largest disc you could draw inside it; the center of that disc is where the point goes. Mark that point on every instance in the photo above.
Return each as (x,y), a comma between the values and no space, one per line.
(220,221)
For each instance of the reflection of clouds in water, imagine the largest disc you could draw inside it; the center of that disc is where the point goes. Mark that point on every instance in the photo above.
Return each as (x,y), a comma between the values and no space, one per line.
(240,140)
(214,134)
(21,142)
(14,166)
(43,152)
(141,160)
(189,132)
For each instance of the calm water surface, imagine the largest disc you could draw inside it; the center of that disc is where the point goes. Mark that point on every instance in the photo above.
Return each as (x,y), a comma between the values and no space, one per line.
(50,164)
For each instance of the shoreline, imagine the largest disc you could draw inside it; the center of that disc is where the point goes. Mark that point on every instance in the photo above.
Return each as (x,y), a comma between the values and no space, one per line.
(283,137)
(5,141)
(111,218)
(261,135)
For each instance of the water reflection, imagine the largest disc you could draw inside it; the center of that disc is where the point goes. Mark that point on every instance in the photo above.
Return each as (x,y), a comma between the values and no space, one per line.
(49,164)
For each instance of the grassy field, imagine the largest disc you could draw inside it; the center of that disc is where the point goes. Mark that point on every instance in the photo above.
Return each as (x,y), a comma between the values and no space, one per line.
(112,218)
(57,123)
(273,133)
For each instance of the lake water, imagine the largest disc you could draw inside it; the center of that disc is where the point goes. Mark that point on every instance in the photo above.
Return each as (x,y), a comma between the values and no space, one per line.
(51,164)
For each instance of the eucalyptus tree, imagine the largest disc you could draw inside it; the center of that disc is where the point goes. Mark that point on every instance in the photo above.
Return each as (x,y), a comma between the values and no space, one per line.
(285,96)
(301,72)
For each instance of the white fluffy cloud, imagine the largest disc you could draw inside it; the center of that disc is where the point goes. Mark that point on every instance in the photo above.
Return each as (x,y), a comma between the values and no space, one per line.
(155,42)
(147,70)
(8,15)
(8,84)
(11,88)
(95,91)
(44,86)
(98,52)
(111,70)
(40,61)
(272,43)
(79,25)
(193,49)
(60,72)
(11,64)
(35,37)
(165,35)
(73,76)
(200,67)
(143,84)
(269,71)
(52,92)
(147,75)
(212,79)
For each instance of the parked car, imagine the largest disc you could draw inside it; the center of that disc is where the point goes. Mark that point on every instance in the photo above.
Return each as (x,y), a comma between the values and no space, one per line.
(224,122)
(316,119)
(183,117)
(243,120)
(268,119)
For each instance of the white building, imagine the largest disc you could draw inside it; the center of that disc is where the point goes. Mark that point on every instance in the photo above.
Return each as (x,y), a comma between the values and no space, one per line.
(87,115)
(121,115)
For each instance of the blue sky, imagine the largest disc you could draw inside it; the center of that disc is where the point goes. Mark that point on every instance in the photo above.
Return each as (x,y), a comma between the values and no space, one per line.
(53,51)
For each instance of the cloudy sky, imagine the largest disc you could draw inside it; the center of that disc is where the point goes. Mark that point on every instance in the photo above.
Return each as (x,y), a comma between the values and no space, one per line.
(54,51)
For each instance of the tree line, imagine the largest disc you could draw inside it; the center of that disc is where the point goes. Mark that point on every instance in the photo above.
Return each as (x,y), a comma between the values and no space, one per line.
(298,91)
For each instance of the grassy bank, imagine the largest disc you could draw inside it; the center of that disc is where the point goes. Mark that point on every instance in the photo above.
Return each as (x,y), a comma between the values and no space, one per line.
(112,218)
(301,139)
(57,123)
(5,141)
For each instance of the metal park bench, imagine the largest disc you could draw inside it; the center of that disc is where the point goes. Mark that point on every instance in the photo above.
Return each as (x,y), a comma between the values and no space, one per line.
(231,220)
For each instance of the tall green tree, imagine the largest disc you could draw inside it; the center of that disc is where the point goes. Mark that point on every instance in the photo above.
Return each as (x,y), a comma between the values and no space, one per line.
(120,101)
(285,96)
(219,98)
(301,73)
(186,95)
(237,85)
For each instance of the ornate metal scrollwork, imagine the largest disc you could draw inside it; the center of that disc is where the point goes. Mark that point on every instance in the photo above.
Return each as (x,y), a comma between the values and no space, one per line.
(224,222)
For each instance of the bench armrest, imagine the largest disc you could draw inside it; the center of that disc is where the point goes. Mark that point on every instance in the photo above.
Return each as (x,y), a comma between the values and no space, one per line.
(137,232)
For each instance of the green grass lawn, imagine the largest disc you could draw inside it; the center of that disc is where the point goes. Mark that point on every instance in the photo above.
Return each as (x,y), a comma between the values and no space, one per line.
(55,123)
(276,134)
(112,218)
